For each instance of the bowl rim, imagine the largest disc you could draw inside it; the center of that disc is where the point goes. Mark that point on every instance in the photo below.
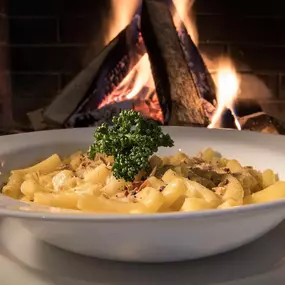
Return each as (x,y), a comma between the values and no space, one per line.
(12,211)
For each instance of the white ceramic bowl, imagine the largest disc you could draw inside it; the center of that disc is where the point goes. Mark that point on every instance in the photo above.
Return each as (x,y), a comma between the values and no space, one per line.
(156,237)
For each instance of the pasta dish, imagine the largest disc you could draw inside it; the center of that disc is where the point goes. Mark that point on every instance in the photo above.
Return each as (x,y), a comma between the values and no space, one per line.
(120,173)
(176,183)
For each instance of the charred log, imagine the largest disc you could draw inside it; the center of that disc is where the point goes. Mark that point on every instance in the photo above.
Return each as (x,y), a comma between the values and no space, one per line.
(173,79)
(83,94)
(228,120)
(97,117)
(261,122)
(202,77)
(58,112)
(242,109)
(246,107)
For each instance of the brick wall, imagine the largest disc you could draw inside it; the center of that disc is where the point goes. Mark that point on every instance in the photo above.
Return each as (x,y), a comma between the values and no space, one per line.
(5,92)
(51,40)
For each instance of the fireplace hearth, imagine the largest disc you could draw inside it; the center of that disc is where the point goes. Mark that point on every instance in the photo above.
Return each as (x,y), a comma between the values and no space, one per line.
(83,101)
(179,90)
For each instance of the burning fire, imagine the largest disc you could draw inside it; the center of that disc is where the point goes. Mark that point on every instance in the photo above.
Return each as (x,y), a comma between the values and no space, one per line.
(227,84)
(120,16)
(139,86)
(185,14)
(138,83)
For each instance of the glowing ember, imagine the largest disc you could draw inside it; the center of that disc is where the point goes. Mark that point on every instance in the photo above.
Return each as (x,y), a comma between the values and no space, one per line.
(227,84)
(138,86)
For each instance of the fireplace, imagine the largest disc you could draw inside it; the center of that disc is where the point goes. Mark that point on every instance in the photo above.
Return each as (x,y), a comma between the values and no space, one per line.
(45,61)
(152,66)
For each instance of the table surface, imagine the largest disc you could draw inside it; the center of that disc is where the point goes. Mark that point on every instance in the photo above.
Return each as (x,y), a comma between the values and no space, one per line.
(26,260)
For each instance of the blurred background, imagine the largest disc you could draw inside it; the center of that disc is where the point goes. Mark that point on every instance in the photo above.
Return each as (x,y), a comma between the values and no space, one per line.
(44,44)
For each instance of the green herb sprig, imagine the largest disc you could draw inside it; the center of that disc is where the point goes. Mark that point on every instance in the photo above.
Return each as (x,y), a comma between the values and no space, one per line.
(131,140)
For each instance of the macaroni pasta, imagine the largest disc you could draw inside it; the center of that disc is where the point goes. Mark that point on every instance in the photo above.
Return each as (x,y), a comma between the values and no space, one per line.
(176,183)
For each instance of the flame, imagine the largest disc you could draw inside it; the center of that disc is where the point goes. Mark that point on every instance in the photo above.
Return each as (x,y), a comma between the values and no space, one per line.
(227,84)
(227,80)
(139,86)
(132,84)
(120,16)
(2,164)
(184,13)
